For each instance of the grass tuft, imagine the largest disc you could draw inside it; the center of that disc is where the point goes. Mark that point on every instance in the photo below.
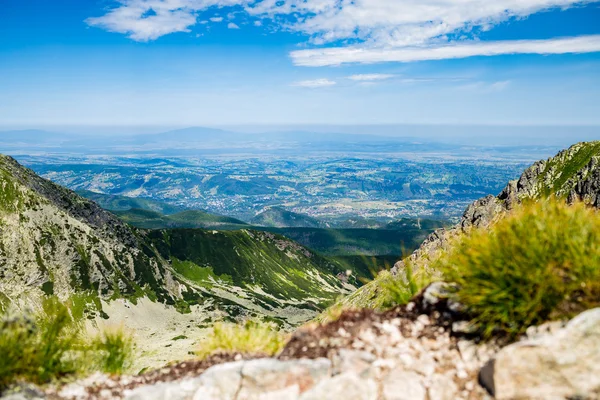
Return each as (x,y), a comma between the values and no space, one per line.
(113,350)
(542,262)
(248,338)
(49,344)
(37,348)
(400,289)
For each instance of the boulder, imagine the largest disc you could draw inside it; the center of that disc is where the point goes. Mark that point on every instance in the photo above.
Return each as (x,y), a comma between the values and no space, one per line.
(560,365)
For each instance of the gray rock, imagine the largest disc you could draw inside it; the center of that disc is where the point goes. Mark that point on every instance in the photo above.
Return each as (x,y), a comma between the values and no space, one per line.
(178,390)
(270,376)
(348,386)
(562,365)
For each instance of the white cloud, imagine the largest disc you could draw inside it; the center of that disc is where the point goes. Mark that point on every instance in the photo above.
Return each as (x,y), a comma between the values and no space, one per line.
(232,25)
(257,23)
(316,83)
(396,23)
(342,55)
(380,30)
(144,20)
(370,77)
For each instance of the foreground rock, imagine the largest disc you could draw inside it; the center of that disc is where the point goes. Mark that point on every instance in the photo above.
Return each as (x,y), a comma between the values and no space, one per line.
(562,365)
(425,350)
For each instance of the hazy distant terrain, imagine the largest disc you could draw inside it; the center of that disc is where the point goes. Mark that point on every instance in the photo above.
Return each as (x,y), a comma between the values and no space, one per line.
(338,179)
(330,187)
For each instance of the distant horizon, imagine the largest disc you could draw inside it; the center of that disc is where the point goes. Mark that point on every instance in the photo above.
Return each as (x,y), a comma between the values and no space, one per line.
(476,134)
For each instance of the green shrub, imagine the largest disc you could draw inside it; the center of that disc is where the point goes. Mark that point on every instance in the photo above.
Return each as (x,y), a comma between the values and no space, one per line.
(113,350)
(541,262)
(39,347)
(249,338)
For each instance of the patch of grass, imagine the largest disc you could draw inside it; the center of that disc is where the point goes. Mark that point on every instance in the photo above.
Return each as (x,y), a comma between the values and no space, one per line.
(400,289)
(113,350)
(387,291)
(541,262)
(49,344)
(249,338)
(37,348)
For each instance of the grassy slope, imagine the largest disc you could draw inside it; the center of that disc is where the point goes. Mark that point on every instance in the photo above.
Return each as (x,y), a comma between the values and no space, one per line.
(253,260)
(123,203)
(148,219)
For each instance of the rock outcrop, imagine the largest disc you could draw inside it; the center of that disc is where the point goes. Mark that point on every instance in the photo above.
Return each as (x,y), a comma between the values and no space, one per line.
(561,365)
(573,175)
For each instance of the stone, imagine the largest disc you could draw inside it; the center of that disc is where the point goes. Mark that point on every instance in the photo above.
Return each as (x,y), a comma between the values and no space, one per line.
(220,382)
(178,390)
(562,365)
(435,292)
(403,385)
(272,376)
(358,362)
(442,387)
(347,386)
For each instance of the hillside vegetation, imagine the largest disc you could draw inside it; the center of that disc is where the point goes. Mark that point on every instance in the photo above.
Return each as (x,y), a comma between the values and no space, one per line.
(572,175)
(147,219)
(541,262)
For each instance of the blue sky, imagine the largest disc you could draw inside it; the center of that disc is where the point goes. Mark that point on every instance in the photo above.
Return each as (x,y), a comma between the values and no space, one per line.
(230,62)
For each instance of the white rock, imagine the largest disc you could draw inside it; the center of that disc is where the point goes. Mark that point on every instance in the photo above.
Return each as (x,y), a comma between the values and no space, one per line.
(442,388)
(273,376)
(565,364)
(347,386)
(403,385)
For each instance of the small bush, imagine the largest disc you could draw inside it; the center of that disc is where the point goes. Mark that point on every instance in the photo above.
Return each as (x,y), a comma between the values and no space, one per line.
(248,338)
(39,347)
(113,350)
(542,262)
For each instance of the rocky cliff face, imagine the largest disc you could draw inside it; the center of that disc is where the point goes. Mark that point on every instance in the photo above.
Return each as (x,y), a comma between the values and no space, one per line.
(573,175)
(54,241)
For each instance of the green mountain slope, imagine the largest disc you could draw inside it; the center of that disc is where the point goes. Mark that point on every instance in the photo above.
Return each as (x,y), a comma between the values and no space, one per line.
(277,217)
(53,241)
(112,202)
(270,268)
(185,219)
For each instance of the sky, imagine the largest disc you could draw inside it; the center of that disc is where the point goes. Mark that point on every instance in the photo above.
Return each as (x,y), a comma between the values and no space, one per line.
(278,62)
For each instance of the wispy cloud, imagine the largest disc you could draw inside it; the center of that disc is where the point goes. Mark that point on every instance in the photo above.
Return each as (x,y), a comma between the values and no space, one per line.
(232,25)
(315,83)
(380,30)
(370,77)
(343,55)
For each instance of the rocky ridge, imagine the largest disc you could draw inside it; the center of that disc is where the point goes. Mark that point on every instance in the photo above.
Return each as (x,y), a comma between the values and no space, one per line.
(573,175)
